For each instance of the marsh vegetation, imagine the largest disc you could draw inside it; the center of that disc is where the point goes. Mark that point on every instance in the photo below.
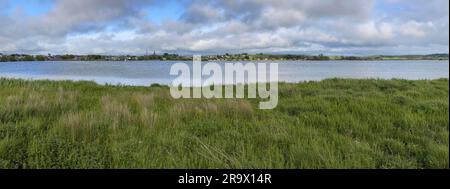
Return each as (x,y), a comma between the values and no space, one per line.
(334,123)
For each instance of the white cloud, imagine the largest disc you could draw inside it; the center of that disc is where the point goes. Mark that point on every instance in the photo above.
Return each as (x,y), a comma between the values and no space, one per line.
(415,29)
(307,26)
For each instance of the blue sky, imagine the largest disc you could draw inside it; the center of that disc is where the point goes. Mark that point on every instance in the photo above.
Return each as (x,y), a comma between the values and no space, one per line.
(30,7)
(347,27)
(164,11)
(157,11)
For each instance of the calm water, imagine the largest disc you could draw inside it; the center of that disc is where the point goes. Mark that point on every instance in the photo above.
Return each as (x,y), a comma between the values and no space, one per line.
(143,73)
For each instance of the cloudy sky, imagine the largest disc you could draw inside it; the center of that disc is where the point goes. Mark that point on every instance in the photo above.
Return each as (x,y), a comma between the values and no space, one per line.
(344,27)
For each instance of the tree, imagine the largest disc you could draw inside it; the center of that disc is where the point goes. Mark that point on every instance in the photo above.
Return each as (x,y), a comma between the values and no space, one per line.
(28,58)
(40,58)
(4,58)
(68,57)
(94,57)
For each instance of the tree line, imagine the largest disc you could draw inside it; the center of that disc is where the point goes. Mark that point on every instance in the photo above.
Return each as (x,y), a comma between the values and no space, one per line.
(222,57)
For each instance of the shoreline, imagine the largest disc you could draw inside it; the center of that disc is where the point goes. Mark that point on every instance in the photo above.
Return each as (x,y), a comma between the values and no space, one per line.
(218,57)
(167,85)
(371,60)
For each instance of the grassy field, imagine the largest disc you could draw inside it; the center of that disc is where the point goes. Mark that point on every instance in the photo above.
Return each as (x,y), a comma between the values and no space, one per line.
(335,123)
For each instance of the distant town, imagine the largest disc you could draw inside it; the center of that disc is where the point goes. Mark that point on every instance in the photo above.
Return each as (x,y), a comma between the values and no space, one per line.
(223,57)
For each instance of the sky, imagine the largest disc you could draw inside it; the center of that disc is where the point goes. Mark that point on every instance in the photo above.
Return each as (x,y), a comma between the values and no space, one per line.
(119,27)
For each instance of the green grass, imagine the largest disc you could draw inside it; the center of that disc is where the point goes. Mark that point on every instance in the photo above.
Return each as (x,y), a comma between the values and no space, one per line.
(335,123)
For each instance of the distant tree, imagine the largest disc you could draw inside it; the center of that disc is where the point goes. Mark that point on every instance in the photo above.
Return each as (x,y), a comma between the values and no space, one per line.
(68,57)
(11,58)
(4,58)
(94,57)
(28,58)
(40,58)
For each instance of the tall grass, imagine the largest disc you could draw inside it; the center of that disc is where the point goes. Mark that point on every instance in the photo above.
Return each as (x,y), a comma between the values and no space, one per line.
(335,123)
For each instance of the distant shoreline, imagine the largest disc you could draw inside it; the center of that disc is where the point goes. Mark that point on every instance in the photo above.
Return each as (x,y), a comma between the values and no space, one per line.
(225,57)
(443,60)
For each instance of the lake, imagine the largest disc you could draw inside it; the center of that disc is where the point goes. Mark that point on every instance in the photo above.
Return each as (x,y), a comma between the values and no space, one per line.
(144,73)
